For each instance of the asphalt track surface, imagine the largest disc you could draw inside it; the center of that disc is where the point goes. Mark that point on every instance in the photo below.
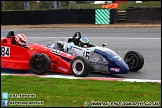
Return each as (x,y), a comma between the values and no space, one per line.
(145,40)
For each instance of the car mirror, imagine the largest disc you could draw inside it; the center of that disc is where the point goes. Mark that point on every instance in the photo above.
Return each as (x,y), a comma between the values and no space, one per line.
(50,45)
(104,44)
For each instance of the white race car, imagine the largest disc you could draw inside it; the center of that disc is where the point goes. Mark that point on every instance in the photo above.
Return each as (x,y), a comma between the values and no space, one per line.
(102,59)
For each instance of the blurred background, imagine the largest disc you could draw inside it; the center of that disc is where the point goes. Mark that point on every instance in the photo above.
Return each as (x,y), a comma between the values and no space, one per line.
(51,5)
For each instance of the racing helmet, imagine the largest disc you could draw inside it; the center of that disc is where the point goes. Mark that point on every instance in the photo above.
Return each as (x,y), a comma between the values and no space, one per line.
(84,42)
(21,39)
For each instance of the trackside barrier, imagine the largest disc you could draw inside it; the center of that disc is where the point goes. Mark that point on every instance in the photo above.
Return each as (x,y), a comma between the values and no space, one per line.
(102,16)
(81,16)
(113,16)
(84,16)
(143,15)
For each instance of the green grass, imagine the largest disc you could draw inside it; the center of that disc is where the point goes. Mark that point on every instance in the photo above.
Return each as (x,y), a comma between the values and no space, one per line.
(73,93)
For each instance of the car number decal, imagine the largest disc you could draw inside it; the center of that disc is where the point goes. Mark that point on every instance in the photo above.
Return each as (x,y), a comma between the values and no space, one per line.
(5,51)
(86,54)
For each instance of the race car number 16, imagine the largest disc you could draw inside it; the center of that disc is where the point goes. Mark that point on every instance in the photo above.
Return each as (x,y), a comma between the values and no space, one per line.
(5,51)
(87,54)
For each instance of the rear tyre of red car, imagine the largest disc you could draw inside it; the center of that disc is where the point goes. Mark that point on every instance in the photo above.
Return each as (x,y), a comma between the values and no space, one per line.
(80,66)
(39,63)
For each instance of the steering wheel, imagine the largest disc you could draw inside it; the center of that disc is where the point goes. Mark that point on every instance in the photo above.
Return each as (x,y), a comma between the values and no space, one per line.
(76,40)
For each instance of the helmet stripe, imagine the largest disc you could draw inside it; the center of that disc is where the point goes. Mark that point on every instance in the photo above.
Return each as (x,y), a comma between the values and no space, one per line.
(22,37)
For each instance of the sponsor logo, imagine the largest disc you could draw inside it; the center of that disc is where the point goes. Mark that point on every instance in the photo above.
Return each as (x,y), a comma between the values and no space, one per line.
(55,51)
(63,69)
(117,57)
(68,55)
(115,69)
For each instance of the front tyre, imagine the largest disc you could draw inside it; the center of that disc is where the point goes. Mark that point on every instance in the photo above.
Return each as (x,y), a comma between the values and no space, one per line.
(134,60)
(80,66)
(39,63)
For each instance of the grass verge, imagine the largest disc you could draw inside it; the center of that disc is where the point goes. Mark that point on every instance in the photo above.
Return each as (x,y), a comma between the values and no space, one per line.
(75,93)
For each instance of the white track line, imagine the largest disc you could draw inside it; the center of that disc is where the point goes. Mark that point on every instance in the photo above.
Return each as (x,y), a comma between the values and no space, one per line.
(141,80)
(61,76)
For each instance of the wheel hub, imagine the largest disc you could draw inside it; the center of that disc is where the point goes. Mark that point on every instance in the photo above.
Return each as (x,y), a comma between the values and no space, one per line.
(131,60)
(78,67)
(39,63)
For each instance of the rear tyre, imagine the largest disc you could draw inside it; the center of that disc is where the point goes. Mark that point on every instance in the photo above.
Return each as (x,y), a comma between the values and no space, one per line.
(80,66)
(39,63)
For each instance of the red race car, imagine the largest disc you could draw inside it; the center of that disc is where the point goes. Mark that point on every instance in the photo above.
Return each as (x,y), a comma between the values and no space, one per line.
(40,59)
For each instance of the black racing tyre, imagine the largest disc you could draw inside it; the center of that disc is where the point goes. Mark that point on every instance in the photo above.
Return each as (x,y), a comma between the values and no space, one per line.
(39,63)
(135,60)
(80,66)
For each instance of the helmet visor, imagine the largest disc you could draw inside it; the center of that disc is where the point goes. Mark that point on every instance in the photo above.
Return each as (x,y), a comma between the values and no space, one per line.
(83,44)
(23,42)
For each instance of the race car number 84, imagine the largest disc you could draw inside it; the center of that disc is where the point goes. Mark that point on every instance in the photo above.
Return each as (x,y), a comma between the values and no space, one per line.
(5,51)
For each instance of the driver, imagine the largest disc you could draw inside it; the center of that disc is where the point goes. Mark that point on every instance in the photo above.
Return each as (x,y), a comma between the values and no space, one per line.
(84,42)
(20,40)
